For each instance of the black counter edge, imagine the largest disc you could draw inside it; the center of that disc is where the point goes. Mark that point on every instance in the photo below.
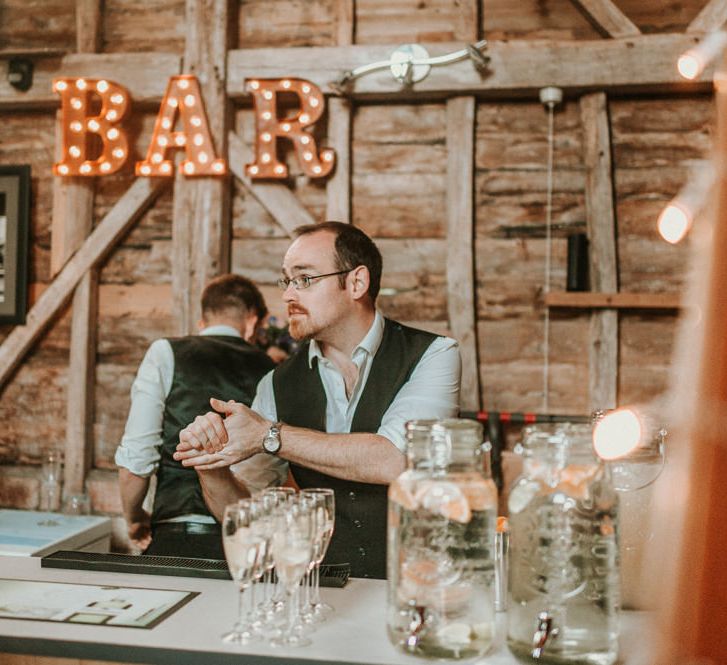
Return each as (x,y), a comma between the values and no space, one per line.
(147,655)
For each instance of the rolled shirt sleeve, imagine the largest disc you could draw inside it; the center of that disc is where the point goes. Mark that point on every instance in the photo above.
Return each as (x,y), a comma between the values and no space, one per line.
(139,448)
(432,391)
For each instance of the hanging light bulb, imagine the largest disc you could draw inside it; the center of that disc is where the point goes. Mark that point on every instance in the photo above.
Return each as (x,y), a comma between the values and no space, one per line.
(617,434)
(692,63)
(677,218)
(674,222)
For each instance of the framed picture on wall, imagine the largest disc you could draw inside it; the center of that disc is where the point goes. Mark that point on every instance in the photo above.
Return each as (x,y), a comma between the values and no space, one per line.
(14,223)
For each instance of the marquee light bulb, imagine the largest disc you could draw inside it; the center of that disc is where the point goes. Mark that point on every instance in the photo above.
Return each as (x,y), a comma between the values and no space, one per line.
(145,169)
(189,100)
(189,168)
(85,168)
(105,166)
(93,125)
(183,84)
(60,86)
(617,434)
(674,222)
(102,86)
(76,103)
(81,84)
(118,98)
(196,121)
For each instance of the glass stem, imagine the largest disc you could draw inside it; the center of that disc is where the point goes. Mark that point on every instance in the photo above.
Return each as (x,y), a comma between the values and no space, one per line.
(316,585)
(240,608)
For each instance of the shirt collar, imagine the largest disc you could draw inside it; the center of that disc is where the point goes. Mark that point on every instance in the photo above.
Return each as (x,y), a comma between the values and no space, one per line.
(369,344)
(221,330)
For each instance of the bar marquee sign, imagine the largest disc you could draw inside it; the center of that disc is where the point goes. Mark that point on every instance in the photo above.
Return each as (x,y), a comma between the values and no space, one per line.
(183,105)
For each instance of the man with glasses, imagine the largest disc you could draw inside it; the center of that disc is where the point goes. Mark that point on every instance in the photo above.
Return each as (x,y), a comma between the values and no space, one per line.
(334,413)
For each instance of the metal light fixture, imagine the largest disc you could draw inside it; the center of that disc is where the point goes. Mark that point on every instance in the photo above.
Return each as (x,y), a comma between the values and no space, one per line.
(411,63)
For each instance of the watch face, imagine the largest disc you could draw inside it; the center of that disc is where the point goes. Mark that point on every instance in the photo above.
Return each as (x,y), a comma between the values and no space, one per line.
(271,443)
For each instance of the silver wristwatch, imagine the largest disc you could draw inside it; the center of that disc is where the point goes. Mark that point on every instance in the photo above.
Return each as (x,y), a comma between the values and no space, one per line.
(271,441)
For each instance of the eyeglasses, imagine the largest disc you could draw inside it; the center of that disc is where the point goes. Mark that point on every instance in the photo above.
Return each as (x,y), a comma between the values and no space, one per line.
(304,281)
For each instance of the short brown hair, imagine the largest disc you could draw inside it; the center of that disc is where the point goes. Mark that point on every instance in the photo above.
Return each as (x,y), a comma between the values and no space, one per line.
(353,248)
(233,292)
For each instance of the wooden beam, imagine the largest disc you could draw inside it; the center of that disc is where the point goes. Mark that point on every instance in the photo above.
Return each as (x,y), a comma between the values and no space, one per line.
(345,21)
(607,17)
(144,75)
(460,239)
(81,384)
(88,26)
(338,186)
(275,197)
(201,214)
(589,300)
(517,68)
(712,17)
(76,220)
(601,223)
(93,251)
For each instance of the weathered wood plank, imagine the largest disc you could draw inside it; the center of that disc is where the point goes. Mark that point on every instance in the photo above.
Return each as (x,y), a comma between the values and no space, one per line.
(406,21)
(345,12)
(613,300)
(460,238)
(608,17)
(76,219)
(88,26)
(338,186)
(643,63)
(144,75)
(93,251)
(80,391)
(201,217)
(712,17)
(276,198)
(600,218)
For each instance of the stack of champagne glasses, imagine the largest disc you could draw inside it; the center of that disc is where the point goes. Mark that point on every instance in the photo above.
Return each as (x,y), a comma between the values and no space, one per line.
(274,543)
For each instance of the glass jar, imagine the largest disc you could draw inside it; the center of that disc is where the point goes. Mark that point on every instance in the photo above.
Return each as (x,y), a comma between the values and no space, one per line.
(441,533)
(564,578)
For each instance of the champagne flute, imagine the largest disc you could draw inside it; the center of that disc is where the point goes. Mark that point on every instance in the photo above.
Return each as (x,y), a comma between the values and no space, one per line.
(292,547)
(326,515)
(243,552)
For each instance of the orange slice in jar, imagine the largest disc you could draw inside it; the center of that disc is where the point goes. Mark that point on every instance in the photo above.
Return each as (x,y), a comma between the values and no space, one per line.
(444,498)
(401,494)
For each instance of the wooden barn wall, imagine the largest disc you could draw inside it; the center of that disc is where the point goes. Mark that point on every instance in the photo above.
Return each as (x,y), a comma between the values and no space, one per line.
(399,175)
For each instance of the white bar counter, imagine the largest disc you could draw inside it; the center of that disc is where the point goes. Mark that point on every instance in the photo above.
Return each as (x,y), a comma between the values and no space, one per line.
(354,634)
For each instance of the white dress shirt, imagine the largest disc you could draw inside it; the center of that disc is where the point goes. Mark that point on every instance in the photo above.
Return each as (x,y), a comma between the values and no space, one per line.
(432,390)
(139,448)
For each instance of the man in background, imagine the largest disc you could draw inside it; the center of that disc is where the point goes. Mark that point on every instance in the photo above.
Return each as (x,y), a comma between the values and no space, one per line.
(172,386)
(334,412)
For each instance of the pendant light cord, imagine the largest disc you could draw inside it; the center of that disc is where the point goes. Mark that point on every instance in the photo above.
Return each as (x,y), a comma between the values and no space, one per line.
(548,243)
